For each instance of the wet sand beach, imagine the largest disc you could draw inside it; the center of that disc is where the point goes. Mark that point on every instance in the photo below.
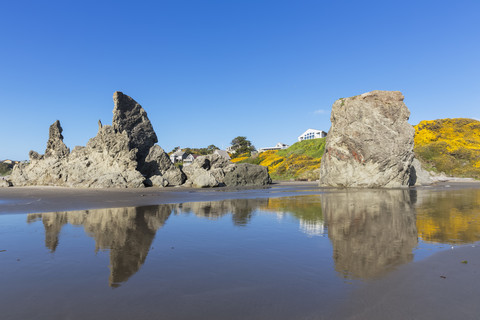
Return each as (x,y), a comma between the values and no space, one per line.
(443,286)
(365,254)
(45,199)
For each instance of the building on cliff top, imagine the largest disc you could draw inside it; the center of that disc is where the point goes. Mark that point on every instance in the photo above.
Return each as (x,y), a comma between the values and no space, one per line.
(278,146)
(312,134)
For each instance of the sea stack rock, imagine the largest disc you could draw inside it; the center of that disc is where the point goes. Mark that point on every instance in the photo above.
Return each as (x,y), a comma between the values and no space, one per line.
(106,162)
(130,117)
(370,143)
(125,155)
(55,145)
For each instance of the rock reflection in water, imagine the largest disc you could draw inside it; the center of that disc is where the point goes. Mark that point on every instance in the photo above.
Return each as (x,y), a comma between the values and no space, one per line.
(371,231)
(127,232)
(240,209)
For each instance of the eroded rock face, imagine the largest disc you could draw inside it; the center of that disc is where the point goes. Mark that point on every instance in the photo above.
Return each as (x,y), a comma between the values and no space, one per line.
(213,170)
(123,155)
(418,175)
(129,116)
(108,160)
(105,162)
(55,145)
(245,174)
(4,183)
(199,174)
(158,163)
(370,143)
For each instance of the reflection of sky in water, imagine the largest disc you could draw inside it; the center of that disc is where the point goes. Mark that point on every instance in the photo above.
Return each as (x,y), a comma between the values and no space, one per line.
(298,251)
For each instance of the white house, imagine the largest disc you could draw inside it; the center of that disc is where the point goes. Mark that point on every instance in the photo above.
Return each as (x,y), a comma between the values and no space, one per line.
(179,156)
(312,134)
(188,160)
(278,146)
(230,149)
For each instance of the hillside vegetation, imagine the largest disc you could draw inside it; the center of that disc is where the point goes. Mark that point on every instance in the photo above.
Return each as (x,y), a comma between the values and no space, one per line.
(451,146)
(300,161)
(4,169)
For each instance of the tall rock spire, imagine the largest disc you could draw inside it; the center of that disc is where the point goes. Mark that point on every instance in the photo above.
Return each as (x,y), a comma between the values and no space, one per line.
(55,145)
(129,116)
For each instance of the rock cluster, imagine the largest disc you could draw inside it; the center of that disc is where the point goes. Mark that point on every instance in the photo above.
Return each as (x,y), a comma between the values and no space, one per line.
(370,142)
(214,170)
(126,155)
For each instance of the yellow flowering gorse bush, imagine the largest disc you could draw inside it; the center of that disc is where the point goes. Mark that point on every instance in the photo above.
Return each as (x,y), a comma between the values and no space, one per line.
(451,146)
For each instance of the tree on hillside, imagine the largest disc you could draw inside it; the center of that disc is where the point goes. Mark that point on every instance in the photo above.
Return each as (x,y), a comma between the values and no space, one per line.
(201,151)
(174,150)
(241,145)
(211,148)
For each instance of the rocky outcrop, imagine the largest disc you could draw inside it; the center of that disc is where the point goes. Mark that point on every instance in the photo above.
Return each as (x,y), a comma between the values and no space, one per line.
(418,175)
(105,162)
(5,182)
(108,160)
(55,146)
(207,171)
(129,116)
(122,155)
(214,170)
(158,164)
(370,143)
(245,174)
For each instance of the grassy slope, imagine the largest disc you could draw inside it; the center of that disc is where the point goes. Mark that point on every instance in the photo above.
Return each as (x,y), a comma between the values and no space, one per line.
(449,145)
(299,161)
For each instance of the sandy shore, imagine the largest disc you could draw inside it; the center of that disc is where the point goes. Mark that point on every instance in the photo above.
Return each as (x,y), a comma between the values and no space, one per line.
(47,199)
(439,287)
(443,286)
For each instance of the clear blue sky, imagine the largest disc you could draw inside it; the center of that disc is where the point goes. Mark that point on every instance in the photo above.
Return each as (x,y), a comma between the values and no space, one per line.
(208,71)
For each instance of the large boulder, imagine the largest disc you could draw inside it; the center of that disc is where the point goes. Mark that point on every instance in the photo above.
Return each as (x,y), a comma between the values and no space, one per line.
(418,175)
(245,174)
(157,181)
(213,170)
(370,143)
(158,163)
(204,179)
(5,183)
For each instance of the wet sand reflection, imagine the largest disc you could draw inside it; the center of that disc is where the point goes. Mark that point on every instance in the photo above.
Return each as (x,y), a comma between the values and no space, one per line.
(371,231)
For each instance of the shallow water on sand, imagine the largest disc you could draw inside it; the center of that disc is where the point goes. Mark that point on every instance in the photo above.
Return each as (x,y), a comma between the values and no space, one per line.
(294,257)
